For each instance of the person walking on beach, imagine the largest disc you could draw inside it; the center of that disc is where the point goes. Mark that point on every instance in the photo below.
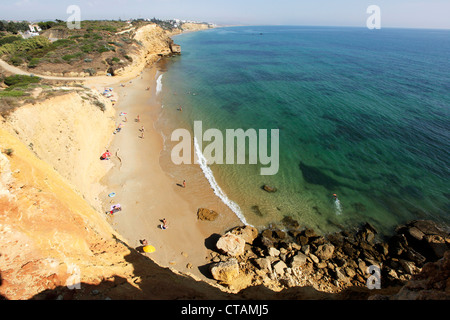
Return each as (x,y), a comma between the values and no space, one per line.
(137,119)
(184,183)
(164,225)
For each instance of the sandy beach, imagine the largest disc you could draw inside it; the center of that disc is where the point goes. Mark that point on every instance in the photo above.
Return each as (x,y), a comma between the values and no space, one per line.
(148,194)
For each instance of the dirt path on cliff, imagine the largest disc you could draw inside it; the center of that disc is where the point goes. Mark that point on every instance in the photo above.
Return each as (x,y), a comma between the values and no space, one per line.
(103,80)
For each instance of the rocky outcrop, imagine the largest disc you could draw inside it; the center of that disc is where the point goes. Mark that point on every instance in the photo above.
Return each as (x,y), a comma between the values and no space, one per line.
(282,259)
(226,271)
(154,43)
(175,48)
(431,283)
(69,131)
(248,233)
(231,244)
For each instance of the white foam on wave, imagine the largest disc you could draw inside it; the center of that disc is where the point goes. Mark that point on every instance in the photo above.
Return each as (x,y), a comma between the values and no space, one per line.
(215,186)
(159,84)
(338,207)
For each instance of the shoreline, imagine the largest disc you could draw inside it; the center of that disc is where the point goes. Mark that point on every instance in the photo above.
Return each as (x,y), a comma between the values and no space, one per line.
(148,194)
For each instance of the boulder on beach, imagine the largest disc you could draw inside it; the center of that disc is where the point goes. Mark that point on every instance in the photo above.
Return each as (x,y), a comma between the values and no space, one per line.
(225,271)
(248,233)
(206,214)
(426,237)
(299,260)
(231,244)
(279,267)
(325,251)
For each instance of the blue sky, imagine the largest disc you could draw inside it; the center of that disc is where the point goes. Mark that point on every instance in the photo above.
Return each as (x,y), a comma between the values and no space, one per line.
(394,13)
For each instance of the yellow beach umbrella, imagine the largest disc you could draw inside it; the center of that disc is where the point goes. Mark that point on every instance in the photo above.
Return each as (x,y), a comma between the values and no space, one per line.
(149,249)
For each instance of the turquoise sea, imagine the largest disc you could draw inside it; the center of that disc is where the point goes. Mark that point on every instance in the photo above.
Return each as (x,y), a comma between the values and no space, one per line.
(364,114)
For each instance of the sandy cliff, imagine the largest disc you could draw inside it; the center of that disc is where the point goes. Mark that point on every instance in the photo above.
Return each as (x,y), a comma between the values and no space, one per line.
(51,240)
(69,132)
(154,41)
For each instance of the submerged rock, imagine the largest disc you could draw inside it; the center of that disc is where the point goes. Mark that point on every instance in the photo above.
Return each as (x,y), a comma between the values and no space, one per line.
(269,188)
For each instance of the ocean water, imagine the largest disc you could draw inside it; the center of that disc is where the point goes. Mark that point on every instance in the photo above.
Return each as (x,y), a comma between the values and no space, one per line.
(363,114)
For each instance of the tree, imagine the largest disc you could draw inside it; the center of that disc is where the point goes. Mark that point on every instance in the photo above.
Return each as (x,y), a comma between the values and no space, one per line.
(15,27)
(44,25)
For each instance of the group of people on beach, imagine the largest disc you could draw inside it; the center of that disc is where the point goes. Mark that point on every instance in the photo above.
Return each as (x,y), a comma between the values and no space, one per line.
(115,208)
(107,155)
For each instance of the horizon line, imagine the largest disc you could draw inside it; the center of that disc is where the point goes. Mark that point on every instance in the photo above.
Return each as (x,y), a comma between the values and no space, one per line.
(224,25)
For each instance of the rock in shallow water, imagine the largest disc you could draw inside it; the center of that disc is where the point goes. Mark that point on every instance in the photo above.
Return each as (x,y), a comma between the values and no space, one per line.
(206,214)
(269,188)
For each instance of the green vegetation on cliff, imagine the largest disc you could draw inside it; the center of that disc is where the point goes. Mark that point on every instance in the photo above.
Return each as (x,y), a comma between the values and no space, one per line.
(58,45)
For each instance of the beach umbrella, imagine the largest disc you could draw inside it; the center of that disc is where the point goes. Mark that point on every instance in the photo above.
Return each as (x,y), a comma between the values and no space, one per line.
(149,249)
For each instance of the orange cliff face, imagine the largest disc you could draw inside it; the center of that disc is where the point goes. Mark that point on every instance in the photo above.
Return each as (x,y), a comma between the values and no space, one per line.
(54,243)
(69,132)
(46,228)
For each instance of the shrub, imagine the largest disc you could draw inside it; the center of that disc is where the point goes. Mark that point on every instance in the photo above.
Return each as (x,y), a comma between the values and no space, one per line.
(102,49)
(13,93)
(9,39)
(69,57)
(100,104)
(33,62)
(16,61)
(24,45)
(90,71)
(87,48)
(63,42)
(18,80)
(8,152)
